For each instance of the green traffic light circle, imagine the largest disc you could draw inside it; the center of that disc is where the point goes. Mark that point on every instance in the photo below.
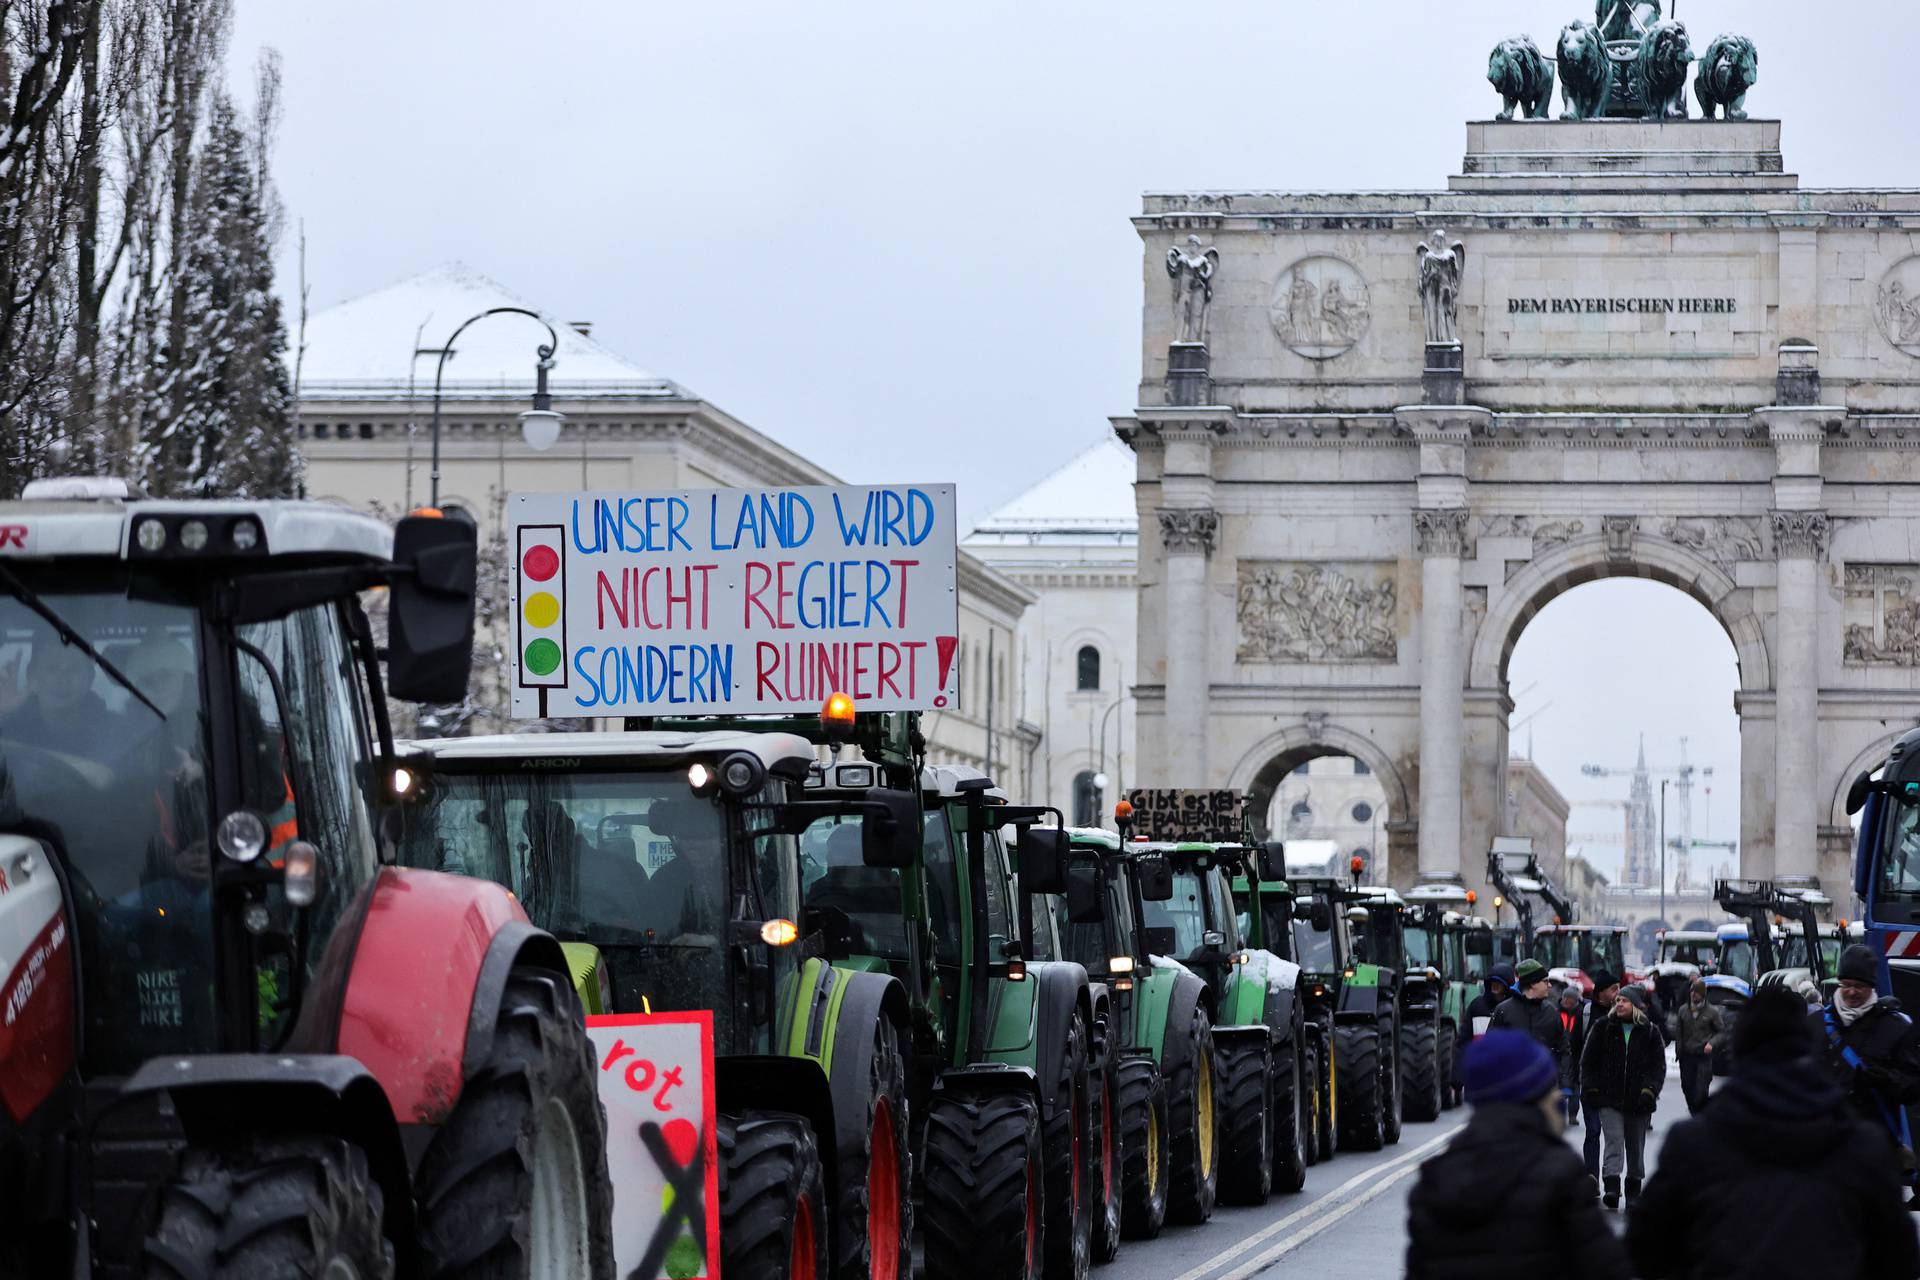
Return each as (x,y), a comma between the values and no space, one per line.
(543,657)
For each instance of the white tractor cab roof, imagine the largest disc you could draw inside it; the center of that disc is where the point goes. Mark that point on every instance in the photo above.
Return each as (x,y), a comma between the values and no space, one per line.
(1107,840)
(783,755)
(1380,893)
(1733,931)
(1438,893)
(91,517)
(944,780)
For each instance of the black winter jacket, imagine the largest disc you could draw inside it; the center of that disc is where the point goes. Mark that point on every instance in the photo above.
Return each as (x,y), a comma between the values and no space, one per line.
(1539,1019)
(1889,1046)
(1621,1072)
(1774,1178)
(1484,1005)
(1508,1198)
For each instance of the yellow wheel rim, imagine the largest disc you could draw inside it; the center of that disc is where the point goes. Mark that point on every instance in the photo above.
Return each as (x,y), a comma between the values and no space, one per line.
(1153,1153)
(1203,1099)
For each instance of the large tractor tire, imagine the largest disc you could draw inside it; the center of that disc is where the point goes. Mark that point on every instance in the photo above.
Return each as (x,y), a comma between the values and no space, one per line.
(1310,1100)
(1246,1122)
(1449,1052)
(873,1206)
(1326,1077)
(277,1206)
(515,1182)
(1356,1057)
(1066,1183)
(982,1216)
(1291,1083)
(1145,1168)
(1107,1206)
(1392,1080)
(1193,1129)
(773,1198)
(1420,1066)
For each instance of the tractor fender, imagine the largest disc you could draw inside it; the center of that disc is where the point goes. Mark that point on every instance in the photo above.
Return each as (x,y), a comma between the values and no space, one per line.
(867,999)
(1103,1046)
(1358,1003)
(219,1098)
(411,981)
(770,1082)
(985,1078)
(1189,993)
(1060,991)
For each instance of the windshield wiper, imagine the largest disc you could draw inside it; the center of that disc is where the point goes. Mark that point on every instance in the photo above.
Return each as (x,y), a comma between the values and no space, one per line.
(27,596)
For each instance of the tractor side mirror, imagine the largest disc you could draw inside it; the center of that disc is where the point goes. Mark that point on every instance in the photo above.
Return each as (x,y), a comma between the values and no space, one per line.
(1086,897)
(1271,858)
(1479,943)
(892,839)
(1159,939)
(430,616)
(1155,877)
(1857,793)
(1043,860)
(1318,914)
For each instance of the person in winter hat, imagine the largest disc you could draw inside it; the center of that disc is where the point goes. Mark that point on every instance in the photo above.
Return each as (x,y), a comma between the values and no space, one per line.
(1508,1197)
(1606,985)
(1494,992)
(1533,1011)
(1621,1072)
(1698,1027)
(1871,1049)
(1778,1176)
(1573,1021)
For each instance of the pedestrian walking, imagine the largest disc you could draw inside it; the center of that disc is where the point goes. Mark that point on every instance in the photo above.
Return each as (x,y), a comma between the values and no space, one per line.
(1508,1197)
(1872,1050)
(1621,1072)
(1778,1177)
(1599,1006)
(1698,1027)
(1573,1021)
(1533,1012)
(1494,992)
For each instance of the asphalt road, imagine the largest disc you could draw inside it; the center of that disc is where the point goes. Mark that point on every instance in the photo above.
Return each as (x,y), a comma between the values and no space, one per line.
(1350,1222)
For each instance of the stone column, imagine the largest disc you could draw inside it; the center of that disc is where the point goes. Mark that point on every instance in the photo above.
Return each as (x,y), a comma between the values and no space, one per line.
(1800,540)
(1188,535)
(1439,536)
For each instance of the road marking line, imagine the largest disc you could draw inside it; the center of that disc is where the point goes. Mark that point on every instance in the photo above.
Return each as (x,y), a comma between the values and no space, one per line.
(1275,1228)
(1264,1260)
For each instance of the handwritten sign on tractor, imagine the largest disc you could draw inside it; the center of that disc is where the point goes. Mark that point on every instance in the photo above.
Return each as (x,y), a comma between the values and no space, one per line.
(656,1082)
(1169,813)
(703,601)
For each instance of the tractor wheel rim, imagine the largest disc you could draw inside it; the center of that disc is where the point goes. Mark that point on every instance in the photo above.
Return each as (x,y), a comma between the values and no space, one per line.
(1033,1213)
(800,1265)
(1153,1154)
(557,1234)
(1106,1146)
(883,1195)
(1203,1112)
(1075,1124)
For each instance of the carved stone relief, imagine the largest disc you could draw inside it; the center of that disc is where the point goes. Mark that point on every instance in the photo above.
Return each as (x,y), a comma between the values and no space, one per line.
(1897,306)
(1188,529)
(1619,531)
(1725,540)
(1320,307)
(1506,527)
(1800,533)
(1882,615)
(1317,612)
(1440,531)
(1549,534)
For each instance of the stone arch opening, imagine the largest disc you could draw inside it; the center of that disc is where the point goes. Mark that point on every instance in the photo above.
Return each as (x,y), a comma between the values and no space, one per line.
(1360,807)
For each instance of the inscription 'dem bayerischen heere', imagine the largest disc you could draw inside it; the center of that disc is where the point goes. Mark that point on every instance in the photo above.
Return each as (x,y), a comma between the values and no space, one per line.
(1608,306)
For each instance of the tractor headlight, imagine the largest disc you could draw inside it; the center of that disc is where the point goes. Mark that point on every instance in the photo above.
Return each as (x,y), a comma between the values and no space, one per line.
(242,836)
(742,773)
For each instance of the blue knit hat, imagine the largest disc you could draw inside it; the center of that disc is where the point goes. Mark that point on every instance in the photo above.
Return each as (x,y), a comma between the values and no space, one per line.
(1507,1066)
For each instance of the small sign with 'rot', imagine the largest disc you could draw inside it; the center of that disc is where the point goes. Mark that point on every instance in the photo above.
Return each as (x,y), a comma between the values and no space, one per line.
(656,1082)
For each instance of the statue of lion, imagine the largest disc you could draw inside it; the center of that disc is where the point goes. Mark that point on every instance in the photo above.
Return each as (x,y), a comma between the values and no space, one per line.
(1522,76)
(1664,58)
(1586,74)
(1729,69)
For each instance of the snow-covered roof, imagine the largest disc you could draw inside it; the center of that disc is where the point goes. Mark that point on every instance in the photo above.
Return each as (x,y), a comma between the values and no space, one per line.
(518,750)
(1091,494)
(365,345)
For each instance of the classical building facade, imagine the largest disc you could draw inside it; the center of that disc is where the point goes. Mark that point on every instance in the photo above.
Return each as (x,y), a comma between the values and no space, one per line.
(1070,542)
(1537,810)
(1403,422)
(365,416)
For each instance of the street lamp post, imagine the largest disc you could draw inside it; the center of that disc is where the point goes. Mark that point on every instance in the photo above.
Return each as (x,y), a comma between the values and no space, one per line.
(540,425)
(1663,853)
(1103,732)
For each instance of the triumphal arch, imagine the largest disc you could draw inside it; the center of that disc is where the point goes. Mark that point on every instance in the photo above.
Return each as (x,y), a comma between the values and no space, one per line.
(1378,431)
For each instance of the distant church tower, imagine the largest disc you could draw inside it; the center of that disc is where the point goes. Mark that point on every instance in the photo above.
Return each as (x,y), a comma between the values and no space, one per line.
(1642,866)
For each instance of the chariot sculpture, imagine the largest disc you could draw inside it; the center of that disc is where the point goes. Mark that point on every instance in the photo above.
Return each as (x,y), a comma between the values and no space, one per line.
(1631,62)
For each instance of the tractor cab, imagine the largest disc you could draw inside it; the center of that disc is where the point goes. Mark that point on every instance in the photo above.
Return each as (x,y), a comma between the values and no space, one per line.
(1204,924)
(1573,952)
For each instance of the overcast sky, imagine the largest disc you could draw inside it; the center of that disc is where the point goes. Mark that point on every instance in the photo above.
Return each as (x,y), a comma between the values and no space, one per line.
(895,236)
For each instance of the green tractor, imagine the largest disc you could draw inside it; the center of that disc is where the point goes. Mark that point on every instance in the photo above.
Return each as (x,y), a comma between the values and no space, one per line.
(668,867)
(1437,976)
(1469,950)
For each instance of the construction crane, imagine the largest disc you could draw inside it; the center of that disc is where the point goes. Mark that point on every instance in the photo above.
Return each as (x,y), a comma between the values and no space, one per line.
(1684,773)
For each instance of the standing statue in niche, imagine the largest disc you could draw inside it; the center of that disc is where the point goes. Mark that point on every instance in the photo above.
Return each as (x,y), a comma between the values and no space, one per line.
(1191,270)
(1441,265)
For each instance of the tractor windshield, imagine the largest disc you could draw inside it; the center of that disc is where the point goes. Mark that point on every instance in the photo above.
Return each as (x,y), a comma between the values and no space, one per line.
(1473,965)
(1896,870)
(1702,953)
(631,862)
(1313,948)
(1737,958)
(1185,913)
(1420,949)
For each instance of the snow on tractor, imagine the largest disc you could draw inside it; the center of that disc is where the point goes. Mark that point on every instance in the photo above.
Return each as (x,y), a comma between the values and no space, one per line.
(668,867)
(239,1043)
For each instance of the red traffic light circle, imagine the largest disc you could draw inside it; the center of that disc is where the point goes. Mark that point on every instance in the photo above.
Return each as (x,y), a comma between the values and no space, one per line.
(540,563)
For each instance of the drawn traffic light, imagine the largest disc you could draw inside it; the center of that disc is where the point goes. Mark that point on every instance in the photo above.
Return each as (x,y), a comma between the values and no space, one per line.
(542,614)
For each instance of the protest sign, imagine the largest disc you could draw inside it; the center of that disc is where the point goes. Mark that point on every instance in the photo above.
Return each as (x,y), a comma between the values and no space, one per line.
(733,601)
(1168,813)
(656,1082)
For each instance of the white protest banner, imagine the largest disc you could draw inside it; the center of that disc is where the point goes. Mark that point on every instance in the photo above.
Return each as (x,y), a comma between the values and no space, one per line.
(656,1082)
(747,601)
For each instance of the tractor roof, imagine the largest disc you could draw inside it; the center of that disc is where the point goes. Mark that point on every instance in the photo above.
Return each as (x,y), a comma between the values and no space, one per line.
(1099,836)
(1381,893)
(1687,935)
(1441,892)
(1581,928)
(782,754)
(95,518)
(944,780)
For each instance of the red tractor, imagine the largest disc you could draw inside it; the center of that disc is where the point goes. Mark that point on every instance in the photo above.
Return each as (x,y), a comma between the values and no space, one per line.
(233,1040)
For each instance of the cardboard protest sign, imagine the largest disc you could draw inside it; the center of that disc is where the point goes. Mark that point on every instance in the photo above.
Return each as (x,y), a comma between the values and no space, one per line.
(1169,813)
(656,1082)
(733,601)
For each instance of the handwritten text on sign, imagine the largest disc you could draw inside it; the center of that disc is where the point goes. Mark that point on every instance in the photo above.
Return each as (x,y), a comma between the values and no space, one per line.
(1167,813)
(733,600)
(656,1083)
